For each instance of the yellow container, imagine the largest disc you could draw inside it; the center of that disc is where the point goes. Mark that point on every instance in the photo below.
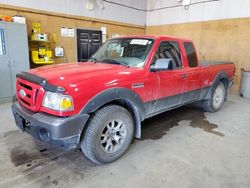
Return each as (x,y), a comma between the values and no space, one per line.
(36,27)
(47,59)
(41,52)
(34,56)
(49,54)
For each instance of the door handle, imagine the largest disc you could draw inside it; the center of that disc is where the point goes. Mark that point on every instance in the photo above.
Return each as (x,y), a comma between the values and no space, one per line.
(184,76)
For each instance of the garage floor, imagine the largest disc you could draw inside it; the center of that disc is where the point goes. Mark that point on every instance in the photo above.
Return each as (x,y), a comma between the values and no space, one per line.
(180,148)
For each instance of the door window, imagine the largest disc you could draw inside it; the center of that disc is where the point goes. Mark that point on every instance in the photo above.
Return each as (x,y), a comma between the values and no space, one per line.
(169,50)
(191,55)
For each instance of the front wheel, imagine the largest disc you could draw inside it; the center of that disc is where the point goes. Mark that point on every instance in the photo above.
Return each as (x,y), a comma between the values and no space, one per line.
(108,134)
(217,99)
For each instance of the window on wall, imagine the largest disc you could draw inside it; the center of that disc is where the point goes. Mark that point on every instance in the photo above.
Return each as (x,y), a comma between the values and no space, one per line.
(191,55)
(169,50)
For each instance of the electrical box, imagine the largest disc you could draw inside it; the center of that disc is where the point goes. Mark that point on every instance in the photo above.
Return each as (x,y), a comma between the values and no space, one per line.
(59,52)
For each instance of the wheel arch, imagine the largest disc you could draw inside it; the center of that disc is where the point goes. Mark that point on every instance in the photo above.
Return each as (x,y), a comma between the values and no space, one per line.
(220,77)
(120,96)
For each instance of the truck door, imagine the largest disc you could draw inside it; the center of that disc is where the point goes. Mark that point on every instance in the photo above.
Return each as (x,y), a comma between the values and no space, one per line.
(170,81)
(193,77)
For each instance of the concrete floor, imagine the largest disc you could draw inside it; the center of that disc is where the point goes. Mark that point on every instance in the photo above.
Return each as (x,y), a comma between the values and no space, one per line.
(180,148)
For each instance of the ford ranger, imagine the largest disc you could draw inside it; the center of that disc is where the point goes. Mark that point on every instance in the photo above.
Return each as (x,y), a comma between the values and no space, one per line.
(98,106)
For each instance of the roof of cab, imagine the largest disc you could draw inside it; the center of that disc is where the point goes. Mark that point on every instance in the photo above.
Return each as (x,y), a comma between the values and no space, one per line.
(160,37)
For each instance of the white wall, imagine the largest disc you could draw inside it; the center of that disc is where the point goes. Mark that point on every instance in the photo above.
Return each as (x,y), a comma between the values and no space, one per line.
(222,9)
(78,7)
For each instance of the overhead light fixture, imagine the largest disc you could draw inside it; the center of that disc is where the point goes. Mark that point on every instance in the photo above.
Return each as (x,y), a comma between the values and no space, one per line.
(90,5)
(186,2)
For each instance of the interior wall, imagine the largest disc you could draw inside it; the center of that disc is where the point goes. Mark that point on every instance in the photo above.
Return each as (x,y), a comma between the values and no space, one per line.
(102,10)
(225,40)
(52,23)
(199,10)
(219,29)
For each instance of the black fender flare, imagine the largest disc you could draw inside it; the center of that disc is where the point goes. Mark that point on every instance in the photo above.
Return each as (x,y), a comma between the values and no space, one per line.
(132,100)
(221,75)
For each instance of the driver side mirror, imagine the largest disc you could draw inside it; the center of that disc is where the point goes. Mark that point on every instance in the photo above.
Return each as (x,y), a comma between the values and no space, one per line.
(161,65)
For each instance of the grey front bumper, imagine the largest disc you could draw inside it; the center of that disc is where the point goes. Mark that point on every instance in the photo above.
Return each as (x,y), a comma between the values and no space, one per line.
(62,132)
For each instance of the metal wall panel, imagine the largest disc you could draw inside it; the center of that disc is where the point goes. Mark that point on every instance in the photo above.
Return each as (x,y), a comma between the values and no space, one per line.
(18,50)
(14,57)
(5,75)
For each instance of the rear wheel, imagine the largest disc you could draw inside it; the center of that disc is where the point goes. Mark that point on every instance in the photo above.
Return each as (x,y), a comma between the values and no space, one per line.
(108,135)
(217,99)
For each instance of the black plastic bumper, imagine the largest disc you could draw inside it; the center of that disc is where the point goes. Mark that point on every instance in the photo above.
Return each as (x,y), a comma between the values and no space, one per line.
(62,132)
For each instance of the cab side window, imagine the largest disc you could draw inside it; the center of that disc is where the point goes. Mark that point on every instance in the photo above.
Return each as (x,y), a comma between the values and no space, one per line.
(169,50)
(191,55)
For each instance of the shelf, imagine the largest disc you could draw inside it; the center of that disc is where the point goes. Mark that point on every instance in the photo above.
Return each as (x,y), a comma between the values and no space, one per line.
(39,41)
(43,62)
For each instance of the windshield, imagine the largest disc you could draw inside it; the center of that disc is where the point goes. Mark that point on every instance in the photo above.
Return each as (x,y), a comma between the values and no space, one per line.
(130,52)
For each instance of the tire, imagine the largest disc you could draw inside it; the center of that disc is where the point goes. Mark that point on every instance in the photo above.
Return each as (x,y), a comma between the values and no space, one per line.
(217,99)
(108,135)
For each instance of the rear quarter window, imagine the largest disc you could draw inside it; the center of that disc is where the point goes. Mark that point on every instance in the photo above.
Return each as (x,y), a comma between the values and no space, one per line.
(191,55)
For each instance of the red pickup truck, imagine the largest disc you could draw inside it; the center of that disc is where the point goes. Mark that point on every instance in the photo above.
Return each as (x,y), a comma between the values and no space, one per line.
(99,105)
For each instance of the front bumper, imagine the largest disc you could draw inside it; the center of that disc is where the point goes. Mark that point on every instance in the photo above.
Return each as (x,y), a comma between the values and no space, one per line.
(62,132)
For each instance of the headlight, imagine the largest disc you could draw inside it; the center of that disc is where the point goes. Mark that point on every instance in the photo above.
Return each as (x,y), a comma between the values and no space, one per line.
(58,101)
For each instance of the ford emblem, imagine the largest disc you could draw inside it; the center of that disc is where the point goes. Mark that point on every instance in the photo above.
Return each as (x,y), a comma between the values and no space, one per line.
(22,93)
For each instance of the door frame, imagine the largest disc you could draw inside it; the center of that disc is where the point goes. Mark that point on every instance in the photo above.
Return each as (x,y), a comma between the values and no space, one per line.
(83,28)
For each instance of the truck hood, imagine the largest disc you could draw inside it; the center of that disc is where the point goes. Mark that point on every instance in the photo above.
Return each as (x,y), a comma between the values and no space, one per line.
(71,73)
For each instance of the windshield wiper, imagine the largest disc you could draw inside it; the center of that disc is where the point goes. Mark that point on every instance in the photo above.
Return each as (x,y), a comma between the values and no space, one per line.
(112,61)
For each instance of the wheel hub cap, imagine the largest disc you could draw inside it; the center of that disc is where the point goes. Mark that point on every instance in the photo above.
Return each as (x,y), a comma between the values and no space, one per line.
(113,136)
(218,97)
